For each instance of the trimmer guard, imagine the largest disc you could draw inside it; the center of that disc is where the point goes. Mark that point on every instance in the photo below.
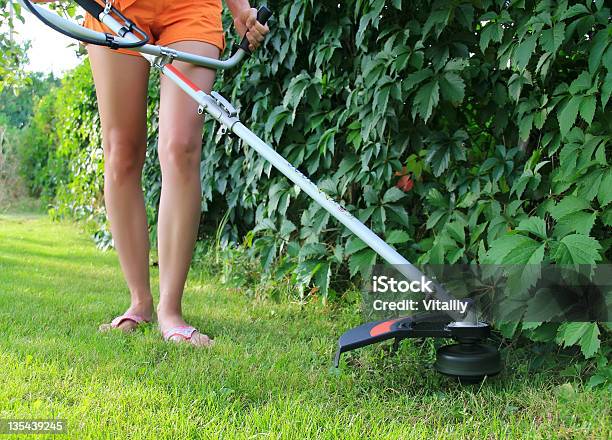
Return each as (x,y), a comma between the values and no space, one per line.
(398,328)
(418,326)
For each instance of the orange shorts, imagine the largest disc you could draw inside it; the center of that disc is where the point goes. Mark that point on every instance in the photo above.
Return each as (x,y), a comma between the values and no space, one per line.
(169,21)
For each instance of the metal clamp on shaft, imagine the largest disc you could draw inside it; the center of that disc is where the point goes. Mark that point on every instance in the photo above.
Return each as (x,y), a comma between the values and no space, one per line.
(166,56)
(224,104)
(219,109)
(108,6)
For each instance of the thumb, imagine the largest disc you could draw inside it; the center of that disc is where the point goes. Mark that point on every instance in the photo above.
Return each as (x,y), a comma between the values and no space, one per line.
(251,17)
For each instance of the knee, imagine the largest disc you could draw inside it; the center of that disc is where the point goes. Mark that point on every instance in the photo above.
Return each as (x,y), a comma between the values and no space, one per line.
(123,159)
(180,153)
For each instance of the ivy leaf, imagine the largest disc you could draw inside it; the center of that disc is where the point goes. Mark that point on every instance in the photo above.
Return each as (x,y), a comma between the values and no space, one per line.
(367,20)
(544,64)
(393,194)
(580,222)
(456,230)
(600,42)
(287,227)
(589,343)
(397,236)
(456,64)
(606,217)
(437,19)
(362,262)
(542,307)
(574,11)
(587,108)
(584,333)
(604,195)
(525,125)
(370,195)
(267,251)
(551,39)
(581,83)
(295,90)
(535,225)
(322,279)
(354,244)
(567,116)
(326,142)
(515,249)
(491,32)
(400,215)
(606,90)
(312,250)
(524,51)
(577,249)
(416,78)
(426,99)
(276,122)
(569,333)
(516,83)
(452,87)
(568,205)
(438,158)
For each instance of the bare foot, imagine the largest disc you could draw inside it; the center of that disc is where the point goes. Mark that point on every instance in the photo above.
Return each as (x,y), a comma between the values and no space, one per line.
(175,329)
(142,309)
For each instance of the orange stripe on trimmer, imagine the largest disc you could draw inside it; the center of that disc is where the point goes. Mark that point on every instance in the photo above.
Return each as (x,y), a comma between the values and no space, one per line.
(383,327)
(178,73)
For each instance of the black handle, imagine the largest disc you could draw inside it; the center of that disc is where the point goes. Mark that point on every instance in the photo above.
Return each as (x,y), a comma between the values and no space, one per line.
(91,6)
(263,14)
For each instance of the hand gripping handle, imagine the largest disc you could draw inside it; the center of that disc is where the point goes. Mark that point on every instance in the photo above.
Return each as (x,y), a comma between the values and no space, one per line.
(263,14)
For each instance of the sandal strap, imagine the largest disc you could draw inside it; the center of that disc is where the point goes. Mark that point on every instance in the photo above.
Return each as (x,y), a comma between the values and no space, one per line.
(184,331)
(127,317)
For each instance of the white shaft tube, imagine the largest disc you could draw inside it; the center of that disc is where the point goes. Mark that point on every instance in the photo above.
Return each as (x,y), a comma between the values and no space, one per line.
(342,215)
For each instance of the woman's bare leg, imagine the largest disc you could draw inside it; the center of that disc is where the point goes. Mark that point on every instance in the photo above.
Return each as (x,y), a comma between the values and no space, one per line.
(180,146)
(121,86)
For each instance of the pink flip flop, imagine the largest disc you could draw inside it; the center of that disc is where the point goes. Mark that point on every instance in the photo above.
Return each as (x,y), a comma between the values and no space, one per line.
(186,332)
(115,323)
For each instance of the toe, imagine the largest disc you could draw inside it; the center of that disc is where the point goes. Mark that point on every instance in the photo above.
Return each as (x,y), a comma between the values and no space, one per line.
(177,339)
(127,325)
(104,327)
(200,340)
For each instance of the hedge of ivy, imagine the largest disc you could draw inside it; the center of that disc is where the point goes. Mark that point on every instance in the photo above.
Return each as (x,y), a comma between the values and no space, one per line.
(460,131)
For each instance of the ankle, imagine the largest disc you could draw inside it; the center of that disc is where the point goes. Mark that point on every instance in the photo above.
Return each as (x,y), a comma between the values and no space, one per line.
(165,310)
(142,302)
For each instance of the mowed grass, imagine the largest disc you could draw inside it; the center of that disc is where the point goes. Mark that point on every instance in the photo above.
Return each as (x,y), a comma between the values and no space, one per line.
(268,376)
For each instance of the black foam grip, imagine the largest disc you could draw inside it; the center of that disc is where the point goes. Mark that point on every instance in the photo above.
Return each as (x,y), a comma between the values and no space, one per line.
(263,14)
(91,6)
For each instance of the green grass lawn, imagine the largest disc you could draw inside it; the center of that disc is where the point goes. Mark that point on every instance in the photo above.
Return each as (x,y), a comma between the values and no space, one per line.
(268,376)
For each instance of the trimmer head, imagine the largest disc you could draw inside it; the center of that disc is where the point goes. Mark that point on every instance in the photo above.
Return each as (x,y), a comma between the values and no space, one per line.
(469,363)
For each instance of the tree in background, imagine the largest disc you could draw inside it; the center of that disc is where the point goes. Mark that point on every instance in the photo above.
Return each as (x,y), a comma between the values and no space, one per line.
(18,100)
(12,54)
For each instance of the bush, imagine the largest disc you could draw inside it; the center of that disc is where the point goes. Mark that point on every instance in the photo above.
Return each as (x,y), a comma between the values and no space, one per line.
(27,116)
(459,131)
(12,187)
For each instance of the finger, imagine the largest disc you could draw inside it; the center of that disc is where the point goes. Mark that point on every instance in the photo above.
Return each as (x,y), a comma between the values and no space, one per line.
(252,39)
(252,42)
(261,28)
(255,33)
(252,18)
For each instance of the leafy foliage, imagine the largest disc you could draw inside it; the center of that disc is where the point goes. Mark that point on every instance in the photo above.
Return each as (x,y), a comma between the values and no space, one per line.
(12,54)
(459,131)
